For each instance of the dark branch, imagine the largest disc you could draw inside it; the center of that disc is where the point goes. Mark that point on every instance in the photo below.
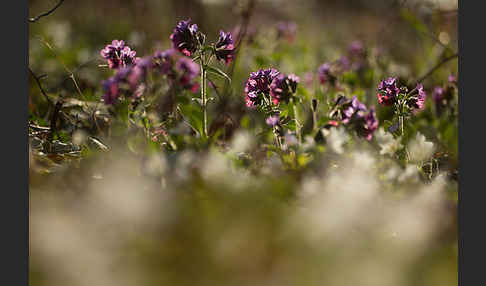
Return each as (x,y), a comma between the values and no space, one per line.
(437,66)
(433,69)
(35,19)
(37,79)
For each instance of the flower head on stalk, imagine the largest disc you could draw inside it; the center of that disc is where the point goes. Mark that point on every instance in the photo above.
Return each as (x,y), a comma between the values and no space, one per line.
(225,47)
(388,91)
(184,37)
(257,87)
(118,55)
(283,87)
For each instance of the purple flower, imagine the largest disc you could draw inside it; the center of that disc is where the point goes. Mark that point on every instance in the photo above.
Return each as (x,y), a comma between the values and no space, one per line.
(287,30)
(283,87)
(127,56)
(110,89)
(388,91)
(308,79)
(184,38)
(258,86)
(418,101)
(118,55)
(348,110)
(188,70)
(325,75)
(370,124)
(273,120)
(344,63)
(356,49)
(438,94)
(452,79)
(164,61)
(225,47)
(139,71)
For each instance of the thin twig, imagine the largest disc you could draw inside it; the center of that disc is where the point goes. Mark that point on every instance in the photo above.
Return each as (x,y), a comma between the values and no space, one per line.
(70,73)
(40,87)
(35,19)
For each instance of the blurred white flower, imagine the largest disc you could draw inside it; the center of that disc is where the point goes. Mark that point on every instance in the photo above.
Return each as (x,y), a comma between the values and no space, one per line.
(419,149)
(242,142)
(410,174)
(388,144)
(337,138)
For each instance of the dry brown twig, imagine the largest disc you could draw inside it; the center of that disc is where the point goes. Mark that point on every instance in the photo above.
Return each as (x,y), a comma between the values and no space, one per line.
(36,18)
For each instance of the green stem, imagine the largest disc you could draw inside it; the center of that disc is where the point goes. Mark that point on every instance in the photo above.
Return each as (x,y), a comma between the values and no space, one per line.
(400,119)
(297,124)
(203,98)
(277,137)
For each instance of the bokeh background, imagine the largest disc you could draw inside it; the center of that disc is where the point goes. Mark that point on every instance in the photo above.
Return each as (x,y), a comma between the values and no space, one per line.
(100,222)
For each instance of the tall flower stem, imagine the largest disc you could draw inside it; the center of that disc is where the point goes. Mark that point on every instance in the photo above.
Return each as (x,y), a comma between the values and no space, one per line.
(203,96)
(297,123)
(400,120)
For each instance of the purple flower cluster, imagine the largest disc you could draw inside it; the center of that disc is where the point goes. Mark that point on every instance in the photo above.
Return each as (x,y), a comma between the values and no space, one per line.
(188,71)
(352,112)
(118,55)
(356,49)
(184,38)
(353,108)
(181,70)
(325,75)
(443,95)
(368,125)
(286,30)
(164,61)
(283,87)
(131,76)
(225,47)
(388,91)
(257,87)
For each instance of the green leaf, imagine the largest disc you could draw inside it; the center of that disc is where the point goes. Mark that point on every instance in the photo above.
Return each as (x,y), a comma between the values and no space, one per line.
(194,115)
(217,71)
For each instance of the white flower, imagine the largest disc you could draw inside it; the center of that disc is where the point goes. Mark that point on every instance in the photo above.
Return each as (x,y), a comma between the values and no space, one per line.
(388,144)
(337,138)
(242,142)
(419,149)
(410,174)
